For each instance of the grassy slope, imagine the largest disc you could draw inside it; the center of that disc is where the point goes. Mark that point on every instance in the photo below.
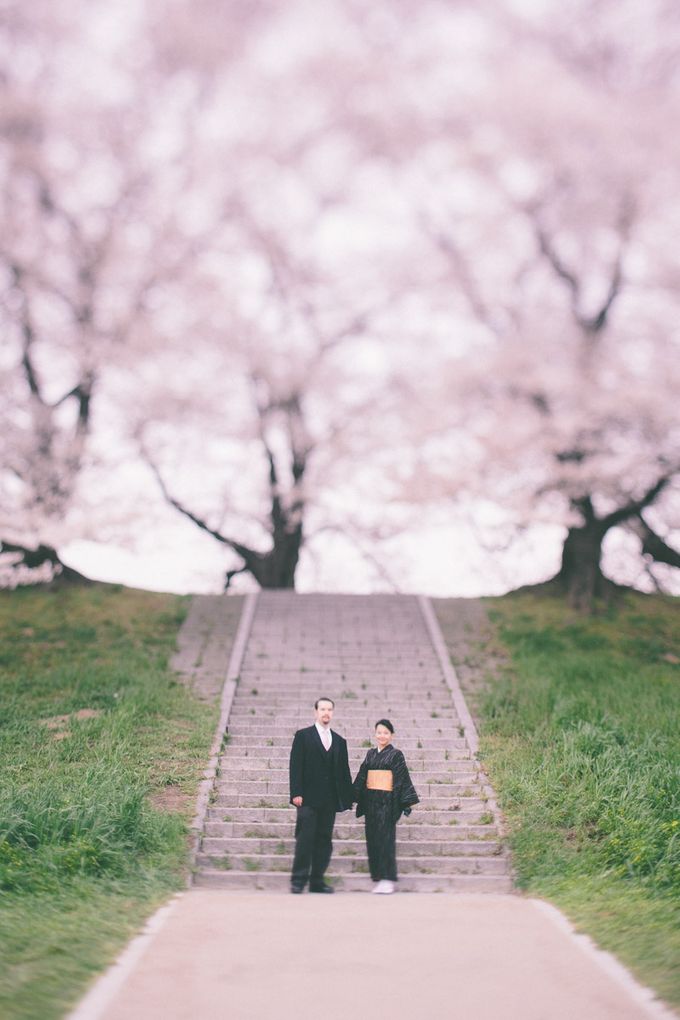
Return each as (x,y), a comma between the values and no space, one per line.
(581,736)
(93,812)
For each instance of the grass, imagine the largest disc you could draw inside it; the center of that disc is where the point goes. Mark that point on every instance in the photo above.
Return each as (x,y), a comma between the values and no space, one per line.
(580,733)
(101,752)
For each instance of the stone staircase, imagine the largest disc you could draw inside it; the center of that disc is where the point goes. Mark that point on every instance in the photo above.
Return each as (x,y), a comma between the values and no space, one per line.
(375,656)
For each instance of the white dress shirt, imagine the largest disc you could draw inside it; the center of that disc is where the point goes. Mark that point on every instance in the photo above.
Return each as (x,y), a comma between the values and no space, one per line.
(326,735)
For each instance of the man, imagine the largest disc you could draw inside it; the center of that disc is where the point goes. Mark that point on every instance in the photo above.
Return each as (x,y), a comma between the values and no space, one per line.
(320,785)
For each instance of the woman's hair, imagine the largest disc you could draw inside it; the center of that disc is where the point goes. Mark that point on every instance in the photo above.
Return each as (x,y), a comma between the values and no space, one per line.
(386,723)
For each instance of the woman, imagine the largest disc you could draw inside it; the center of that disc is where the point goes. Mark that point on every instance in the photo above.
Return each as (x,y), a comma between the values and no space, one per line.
(383,790)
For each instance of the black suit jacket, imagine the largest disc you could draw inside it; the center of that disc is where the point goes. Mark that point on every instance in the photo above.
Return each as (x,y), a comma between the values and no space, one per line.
(308,769)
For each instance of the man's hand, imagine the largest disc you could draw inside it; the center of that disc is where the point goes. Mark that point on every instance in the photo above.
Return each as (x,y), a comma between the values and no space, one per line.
(297,801)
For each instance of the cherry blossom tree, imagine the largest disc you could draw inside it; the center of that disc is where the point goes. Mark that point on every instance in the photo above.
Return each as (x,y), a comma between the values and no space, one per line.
(314,259)
(278,300)
(568,264)
(87,228)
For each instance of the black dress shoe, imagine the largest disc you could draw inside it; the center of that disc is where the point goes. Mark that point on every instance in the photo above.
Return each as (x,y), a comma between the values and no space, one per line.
(322,888)
(297,888)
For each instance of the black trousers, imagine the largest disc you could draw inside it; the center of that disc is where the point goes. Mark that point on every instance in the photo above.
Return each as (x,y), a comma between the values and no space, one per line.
(313,844)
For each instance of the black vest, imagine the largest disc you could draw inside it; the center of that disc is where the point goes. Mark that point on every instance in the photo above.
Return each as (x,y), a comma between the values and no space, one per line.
(327,777)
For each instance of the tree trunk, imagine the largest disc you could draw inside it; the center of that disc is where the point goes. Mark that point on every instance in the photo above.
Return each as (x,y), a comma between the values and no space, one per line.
(34,559)
(580,574)
(276,568)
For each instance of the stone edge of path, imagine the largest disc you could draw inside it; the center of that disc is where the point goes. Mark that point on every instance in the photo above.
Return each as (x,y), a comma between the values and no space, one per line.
(106,986)
(466,720)
(226,699)
(645,997)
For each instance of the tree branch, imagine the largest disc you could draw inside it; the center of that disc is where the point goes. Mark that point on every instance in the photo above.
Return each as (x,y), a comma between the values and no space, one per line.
(230,574)
(27,332)
(634,508)
(249,556)
(464,276)
(653,545)
(599,321)
(595,323)
(549,252)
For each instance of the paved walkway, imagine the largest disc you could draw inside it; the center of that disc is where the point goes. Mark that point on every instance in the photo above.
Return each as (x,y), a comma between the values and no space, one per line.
(263,955)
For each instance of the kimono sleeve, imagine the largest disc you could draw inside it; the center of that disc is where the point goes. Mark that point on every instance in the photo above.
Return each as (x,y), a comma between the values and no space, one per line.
(405,795)
(359,787)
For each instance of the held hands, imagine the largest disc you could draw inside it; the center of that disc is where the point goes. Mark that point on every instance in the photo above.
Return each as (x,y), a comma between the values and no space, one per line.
(297,801)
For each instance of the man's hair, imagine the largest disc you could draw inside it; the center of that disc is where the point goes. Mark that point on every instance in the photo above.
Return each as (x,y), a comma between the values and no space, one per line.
(316,703)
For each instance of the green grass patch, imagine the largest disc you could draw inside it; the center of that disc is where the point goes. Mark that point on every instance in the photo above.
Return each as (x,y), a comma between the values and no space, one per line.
(101,751)
(580,733)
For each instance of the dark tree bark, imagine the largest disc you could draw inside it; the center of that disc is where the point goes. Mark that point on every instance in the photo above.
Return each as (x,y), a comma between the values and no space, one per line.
(33,559)
(276,567)
(654,546)
(580,575)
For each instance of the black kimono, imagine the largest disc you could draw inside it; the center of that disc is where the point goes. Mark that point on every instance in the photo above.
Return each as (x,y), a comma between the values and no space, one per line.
(383,807)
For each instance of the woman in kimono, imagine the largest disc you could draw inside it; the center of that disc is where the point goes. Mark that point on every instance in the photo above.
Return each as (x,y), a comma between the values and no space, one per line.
(383,790)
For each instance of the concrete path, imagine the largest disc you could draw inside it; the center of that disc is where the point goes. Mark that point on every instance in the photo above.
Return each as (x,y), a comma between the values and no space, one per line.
(240,955)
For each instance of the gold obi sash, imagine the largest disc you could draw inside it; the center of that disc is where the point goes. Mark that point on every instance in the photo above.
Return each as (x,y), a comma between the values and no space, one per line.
(379,779)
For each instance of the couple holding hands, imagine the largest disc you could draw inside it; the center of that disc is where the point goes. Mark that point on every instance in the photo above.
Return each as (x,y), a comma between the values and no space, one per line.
(321,785)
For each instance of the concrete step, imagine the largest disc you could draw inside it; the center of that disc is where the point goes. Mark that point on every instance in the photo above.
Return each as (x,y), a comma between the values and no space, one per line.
(280,799)
(427,684)
(368,696)
(255,773)
(363,720)
(276,787)
(304,657)
(454,815)
(347,695)
(407,744)
(360,736)
(341,672)
(277,757)
(278,830)
(432,865)
(253,845)
(280,881)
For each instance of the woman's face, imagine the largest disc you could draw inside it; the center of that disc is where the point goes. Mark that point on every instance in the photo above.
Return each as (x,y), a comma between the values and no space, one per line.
(382,736)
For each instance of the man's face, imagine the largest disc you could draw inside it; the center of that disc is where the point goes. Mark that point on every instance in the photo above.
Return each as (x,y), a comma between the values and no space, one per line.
(324,713)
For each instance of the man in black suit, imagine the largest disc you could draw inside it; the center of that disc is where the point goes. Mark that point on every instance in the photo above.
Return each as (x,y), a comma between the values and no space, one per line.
(320,785)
